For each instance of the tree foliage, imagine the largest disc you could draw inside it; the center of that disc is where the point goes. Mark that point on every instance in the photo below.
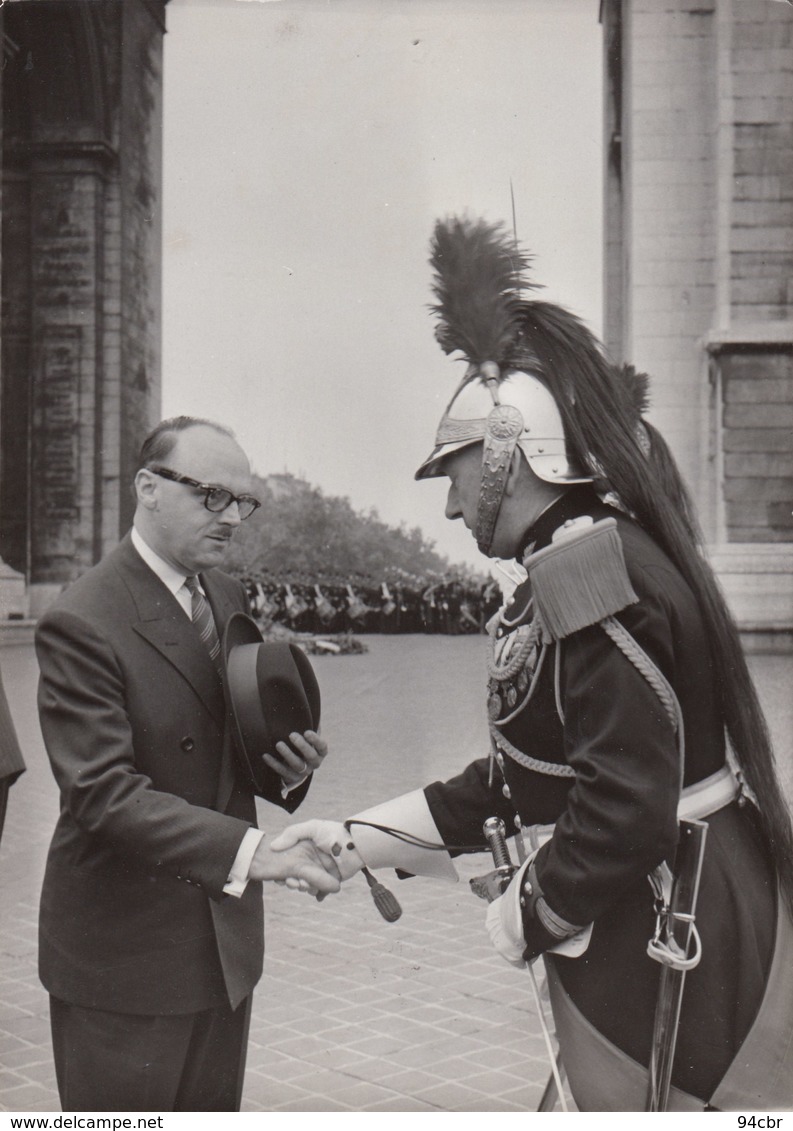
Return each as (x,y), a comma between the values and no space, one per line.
(299,529)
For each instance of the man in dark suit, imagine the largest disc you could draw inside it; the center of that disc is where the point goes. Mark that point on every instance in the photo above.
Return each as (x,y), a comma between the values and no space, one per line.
(151,924)
(11,761)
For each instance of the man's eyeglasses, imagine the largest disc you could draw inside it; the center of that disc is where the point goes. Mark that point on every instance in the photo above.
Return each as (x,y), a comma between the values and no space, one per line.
(216,499)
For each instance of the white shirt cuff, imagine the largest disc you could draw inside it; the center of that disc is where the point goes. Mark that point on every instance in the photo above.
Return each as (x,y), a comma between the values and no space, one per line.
(238,876)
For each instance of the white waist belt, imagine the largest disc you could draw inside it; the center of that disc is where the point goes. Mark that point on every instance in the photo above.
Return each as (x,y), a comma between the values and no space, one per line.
(699,800)
(708,796)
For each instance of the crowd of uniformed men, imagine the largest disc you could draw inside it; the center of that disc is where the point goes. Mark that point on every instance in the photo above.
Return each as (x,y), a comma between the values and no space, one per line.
(450,604)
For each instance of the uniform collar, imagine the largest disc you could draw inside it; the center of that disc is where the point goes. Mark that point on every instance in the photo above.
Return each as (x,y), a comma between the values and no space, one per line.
(574,502)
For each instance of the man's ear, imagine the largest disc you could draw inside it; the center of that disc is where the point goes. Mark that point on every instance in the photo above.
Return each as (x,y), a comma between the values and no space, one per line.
(146,487)
(513,475)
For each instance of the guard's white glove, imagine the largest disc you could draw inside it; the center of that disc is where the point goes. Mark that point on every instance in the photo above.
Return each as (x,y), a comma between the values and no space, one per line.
(328,836)
(505,922)
(505,925)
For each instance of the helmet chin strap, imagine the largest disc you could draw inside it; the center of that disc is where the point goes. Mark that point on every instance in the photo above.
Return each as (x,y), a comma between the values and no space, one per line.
(504,426)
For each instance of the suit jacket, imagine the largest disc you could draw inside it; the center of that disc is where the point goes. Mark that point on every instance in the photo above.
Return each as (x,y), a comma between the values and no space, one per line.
(133,915)
(12,763)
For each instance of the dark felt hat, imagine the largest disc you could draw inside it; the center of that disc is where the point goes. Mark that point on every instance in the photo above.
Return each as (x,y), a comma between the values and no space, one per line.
(271,690)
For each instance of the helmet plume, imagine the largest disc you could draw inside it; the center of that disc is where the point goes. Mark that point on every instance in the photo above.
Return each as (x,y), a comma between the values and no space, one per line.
(479,275)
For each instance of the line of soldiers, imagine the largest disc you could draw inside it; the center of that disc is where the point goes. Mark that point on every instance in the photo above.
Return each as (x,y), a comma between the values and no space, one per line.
(450,604)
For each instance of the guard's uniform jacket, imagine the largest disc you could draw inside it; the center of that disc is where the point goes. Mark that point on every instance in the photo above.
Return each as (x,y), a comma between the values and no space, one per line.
(584,743)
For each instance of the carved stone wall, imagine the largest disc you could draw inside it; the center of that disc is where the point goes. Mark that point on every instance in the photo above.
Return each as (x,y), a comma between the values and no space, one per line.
(81,237)
(699,266)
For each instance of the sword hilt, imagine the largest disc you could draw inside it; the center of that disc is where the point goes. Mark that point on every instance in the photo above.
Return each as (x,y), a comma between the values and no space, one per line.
(495,883)
(496,836)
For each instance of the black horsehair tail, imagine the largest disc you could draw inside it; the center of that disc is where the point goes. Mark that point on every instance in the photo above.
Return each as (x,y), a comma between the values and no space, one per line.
(479,275)
(599,412)
(638,387)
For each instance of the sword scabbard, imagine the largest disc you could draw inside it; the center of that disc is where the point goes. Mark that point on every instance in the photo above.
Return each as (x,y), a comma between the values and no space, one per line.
(674,938)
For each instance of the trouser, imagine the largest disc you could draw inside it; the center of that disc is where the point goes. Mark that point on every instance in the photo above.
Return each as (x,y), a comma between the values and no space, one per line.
(130,1062)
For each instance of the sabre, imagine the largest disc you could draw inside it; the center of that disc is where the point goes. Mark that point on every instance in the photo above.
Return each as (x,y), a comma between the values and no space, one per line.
(490,887)
(495,883)
(670,944)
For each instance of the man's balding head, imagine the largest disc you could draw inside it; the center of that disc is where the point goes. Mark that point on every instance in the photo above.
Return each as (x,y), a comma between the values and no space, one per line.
(171,516)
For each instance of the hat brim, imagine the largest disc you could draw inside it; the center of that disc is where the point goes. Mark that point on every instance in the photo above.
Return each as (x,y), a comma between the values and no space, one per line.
(240,629)
(431,468)
(271,691)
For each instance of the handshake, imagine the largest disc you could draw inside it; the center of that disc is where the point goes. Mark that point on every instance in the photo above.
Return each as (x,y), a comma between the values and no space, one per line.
(314,857)
(317,856)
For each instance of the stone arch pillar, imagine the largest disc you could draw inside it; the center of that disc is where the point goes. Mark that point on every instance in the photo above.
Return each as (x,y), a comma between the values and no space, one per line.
(82,111)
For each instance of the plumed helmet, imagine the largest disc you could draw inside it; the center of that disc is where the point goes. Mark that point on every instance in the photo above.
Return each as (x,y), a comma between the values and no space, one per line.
(525,407)
(502,400)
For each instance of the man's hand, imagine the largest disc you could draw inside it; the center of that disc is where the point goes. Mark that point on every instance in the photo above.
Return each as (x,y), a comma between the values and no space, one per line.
(292,767)
(330,838)
(302,866)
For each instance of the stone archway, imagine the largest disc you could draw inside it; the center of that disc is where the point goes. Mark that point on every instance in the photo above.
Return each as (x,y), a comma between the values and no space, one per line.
(80,382)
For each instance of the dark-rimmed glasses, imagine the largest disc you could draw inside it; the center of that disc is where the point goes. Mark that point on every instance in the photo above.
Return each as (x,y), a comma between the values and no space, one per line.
(216,499)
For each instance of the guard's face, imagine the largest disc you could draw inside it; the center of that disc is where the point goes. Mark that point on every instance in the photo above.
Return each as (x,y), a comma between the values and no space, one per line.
(525,497)
(464,469)
(183,531)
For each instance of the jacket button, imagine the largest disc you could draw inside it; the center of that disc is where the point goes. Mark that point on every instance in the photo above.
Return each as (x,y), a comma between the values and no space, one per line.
(187,744)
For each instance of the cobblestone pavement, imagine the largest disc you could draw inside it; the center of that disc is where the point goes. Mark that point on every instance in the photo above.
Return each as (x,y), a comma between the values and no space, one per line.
(352,1014)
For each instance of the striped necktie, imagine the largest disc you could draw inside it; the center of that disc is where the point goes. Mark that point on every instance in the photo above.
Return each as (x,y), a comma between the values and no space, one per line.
(203,620)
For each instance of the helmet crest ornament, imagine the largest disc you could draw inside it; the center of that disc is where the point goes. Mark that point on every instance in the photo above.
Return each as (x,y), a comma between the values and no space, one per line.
(479,284)
(479,276)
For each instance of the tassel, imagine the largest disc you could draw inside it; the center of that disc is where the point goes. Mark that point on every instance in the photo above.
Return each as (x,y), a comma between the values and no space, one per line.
(384,900)
(580,579)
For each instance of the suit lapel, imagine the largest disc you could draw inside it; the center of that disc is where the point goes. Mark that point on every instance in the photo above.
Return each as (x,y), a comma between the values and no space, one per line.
(164,624)
(220,601)
(181,646)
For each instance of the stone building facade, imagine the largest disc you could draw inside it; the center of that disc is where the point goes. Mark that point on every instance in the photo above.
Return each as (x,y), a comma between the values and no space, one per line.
(81,269)
(699,266)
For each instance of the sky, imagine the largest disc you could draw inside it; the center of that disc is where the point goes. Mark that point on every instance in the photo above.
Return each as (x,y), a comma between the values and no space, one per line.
(309,147)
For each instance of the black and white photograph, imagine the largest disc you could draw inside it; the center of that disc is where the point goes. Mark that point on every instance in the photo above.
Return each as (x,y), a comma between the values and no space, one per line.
(396,559)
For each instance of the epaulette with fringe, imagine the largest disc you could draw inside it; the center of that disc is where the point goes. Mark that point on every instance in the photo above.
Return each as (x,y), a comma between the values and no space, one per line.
(580,579)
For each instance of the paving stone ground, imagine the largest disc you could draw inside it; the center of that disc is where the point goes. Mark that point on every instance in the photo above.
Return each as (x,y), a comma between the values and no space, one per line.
(352,1014)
